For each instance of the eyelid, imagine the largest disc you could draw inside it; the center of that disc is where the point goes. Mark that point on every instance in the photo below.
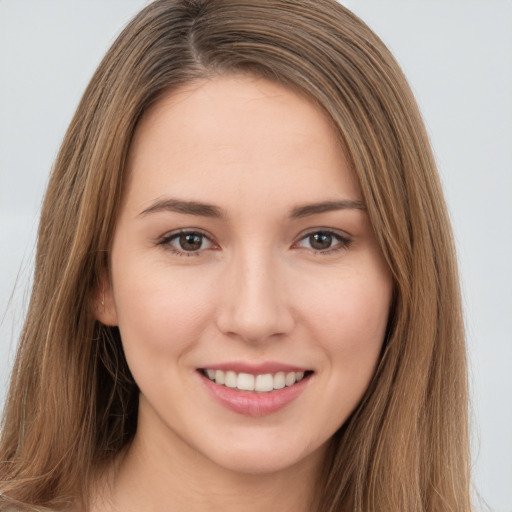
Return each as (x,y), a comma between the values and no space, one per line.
(165,241)
(343,238)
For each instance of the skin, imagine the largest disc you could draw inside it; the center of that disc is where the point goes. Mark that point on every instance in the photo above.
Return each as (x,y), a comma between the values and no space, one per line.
(258,289)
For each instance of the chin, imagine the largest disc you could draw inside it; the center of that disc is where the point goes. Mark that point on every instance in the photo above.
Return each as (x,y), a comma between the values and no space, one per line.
(267,457)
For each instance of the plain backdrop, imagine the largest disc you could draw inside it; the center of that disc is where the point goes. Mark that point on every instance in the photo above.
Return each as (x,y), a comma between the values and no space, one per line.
(457,55)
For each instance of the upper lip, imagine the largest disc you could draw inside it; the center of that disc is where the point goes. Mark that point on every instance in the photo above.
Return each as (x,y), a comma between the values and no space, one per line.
(256,368)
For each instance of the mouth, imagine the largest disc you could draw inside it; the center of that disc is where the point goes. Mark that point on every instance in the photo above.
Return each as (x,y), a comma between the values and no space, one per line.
(257,383)
(255,394)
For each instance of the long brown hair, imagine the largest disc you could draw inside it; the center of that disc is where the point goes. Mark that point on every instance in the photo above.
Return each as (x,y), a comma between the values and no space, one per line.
(72,403)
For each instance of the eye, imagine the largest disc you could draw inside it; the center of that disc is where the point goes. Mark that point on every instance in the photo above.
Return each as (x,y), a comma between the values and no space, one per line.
(186,242)
(324,241)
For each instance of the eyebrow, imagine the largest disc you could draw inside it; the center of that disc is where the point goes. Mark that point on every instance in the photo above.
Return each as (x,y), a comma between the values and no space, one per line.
(325,206)
(209,210)
(187,207)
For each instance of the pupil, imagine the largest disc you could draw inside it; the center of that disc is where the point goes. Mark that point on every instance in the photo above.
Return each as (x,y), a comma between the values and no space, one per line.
(320,241)
(191,242)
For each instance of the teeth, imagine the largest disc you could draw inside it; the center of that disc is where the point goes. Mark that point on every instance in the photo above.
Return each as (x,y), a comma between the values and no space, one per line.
(261,383)
(245,381)
(264,382)
(231,380)
(290,378)
(219,377)
(279,380)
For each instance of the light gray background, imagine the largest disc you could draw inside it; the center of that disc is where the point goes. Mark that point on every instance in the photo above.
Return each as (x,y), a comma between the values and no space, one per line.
(457,55)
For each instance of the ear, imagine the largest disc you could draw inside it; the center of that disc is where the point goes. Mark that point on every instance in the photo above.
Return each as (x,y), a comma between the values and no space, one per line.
(104,305)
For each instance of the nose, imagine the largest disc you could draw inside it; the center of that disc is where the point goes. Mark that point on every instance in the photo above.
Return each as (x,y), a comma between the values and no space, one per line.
(255,302)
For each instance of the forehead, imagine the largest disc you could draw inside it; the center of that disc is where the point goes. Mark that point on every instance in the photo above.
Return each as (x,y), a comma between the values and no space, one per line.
(237,133)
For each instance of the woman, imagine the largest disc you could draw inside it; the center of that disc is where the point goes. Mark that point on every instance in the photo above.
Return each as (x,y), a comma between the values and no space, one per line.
(245,292)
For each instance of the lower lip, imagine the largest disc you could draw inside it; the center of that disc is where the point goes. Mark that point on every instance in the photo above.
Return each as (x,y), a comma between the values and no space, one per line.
(253,403)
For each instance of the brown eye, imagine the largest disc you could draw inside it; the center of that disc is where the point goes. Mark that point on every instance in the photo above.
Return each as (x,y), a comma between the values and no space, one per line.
(187,243)
(190,241)
(324,241)
(320,241)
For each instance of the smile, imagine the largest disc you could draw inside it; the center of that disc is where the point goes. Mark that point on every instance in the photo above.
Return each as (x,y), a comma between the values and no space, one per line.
(262,383)
(264,391)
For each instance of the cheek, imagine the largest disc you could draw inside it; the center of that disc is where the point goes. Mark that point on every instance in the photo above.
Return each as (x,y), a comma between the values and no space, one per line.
(350,325)
(159,311)
(350,317)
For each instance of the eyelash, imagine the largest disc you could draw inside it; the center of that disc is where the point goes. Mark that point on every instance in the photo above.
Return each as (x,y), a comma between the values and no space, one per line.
(343,242)
(167,239)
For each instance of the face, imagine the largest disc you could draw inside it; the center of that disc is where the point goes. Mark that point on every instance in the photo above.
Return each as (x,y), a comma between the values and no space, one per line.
(250,293)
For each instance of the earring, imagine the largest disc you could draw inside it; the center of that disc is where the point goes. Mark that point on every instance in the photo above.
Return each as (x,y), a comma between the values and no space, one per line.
(103,298)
